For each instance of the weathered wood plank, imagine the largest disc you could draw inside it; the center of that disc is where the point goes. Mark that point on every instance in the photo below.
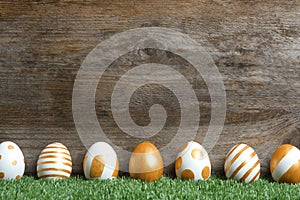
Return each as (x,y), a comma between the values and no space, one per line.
(256,46)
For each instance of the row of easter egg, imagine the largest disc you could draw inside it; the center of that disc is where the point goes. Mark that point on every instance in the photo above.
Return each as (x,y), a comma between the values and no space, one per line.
(146,163)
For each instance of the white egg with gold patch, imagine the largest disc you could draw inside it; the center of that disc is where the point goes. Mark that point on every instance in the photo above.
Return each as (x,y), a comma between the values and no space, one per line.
(193,162)
(54,162)
(12,163)
(101,162)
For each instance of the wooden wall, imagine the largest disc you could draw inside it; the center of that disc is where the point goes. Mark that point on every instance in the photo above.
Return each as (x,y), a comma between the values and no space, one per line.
(255,45)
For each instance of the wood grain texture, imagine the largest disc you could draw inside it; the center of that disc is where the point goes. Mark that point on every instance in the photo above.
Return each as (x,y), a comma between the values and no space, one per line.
(255,45)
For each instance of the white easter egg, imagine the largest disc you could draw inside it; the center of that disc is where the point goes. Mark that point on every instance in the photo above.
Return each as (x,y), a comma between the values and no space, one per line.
(193,162)
(242,163)
(54,162)
(101,162)
(12,163)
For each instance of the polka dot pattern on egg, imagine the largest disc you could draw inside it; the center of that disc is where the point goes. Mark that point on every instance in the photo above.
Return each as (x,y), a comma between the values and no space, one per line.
(193,162)
(12,165)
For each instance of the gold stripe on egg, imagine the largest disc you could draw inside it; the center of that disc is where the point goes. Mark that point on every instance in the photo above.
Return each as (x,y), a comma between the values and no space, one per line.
(235,157)
(97,166)
(279,154)
(60,152)
(256,175)
(56,147)
(292,175)
(54,162)
(249,171)
(54,169)
(116,171)
(53,176)
(51,156)
(242,164)
(230,152)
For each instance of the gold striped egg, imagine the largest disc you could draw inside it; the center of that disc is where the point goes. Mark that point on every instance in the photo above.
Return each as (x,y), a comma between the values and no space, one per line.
(285,164)
(193,162)
(54,162)
(242,163)
(100,162)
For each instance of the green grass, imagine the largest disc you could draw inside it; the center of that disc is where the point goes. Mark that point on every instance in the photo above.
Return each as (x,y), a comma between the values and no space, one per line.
(126,188)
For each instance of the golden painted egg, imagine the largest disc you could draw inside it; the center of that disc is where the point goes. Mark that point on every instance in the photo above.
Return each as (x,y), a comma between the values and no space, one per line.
(12,164)
(285,164)
(146,162)
(242,163)
(54,162)
(101,162)
(193,162)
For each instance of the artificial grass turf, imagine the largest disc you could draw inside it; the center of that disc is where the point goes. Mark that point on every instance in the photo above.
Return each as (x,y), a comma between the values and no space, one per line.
(126,188)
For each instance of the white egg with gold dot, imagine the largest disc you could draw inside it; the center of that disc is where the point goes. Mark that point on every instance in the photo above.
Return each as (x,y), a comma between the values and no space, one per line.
(193,162)
(101,162)
(12,163)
